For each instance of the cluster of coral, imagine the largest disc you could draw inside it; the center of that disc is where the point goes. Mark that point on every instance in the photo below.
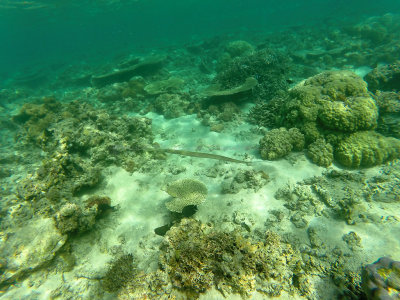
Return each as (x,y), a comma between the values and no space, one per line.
(196,257)
(50,207)
(75,142)
(335,117)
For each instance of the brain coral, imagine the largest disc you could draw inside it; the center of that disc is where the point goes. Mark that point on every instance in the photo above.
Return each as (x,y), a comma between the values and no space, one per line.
(185,192)
(366,149)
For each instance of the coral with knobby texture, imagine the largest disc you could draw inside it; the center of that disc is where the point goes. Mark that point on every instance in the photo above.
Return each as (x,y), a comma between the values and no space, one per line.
(337,108)
(381,280)
(335,101)
(366,149)
(349,115)
(278,143)
(321,153)
(186,192)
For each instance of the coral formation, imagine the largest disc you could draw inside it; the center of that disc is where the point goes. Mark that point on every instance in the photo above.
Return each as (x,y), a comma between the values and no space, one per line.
(185,192)
(269,68)
(381,280)
(197,257)
(366,149)
(121,271)
(336,114)
(71,218)
(217,91)
(172,105)
(339,194)
(320,152)
(277,143)
(389,113)
(335,100)
(384,78)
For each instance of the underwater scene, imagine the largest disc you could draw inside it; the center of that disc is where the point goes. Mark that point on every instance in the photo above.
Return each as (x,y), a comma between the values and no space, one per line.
(187,149)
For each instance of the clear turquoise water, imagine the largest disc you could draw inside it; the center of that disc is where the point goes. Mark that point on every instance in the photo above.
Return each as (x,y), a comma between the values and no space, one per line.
(58,32)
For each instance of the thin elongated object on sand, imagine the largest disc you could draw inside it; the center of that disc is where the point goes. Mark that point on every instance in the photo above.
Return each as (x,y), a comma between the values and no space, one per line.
(203,155)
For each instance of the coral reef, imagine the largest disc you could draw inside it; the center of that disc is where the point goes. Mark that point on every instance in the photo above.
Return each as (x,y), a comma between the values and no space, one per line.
(185,192)
(277,143)
(268,68)
(80,129)
(389,113)
(338,194)
(381,280)
(384,78)
(336,114)
(366,149)
(320,152)
(197,257)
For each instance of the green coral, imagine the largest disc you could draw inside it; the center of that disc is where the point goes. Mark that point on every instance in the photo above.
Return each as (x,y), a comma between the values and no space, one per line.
(278,143)
(321,153)
(366,149)
(351,114)
(333,110)
(331,101)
